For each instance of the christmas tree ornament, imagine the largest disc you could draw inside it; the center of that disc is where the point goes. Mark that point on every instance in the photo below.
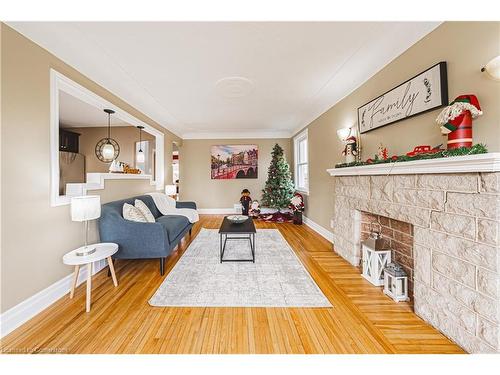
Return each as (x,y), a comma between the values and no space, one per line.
(350,149)
(456,120)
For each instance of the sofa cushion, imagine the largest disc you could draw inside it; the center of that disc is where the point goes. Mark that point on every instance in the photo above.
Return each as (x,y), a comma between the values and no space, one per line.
(173,224)
(144,210)
(133,213)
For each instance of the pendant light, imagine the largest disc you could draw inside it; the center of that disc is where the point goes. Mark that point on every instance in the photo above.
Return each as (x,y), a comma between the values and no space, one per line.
(140,154)
(107,149)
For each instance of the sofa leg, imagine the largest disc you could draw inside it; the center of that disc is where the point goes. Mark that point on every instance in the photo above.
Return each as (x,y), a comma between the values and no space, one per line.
(162,266)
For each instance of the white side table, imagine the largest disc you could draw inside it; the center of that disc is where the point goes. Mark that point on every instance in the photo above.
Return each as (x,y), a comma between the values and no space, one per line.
(103,251)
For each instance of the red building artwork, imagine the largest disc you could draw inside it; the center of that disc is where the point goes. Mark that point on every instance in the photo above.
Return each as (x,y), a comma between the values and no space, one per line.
(234,161)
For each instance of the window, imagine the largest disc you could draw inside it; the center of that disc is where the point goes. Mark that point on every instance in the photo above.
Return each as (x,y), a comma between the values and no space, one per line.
(301,161)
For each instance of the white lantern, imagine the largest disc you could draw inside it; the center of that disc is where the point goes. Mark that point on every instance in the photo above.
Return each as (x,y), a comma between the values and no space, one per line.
(396,282)
(375,256)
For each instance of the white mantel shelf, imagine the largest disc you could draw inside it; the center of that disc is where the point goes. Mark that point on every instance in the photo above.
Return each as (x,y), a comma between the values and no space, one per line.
(458,164)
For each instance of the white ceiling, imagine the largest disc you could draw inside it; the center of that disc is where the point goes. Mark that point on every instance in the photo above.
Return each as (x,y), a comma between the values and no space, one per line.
(74,113)
(287,74)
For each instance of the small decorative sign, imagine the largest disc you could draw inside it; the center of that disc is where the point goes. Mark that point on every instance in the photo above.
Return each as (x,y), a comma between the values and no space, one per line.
(424,92)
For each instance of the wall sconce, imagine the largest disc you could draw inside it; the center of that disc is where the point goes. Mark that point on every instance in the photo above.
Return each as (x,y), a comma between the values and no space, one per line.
(493,68)
(344,133)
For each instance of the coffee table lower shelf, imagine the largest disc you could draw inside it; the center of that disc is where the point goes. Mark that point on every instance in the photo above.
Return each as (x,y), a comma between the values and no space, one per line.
(224,237)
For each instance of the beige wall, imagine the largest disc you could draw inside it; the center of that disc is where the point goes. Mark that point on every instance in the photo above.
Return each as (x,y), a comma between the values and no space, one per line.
(466,47)
(195,181)
(126,136)
(35,235)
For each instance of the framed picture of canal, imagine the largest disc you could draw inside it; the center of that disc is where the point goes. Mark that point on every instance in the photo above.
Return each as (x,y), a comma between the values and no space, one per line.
(422,93)
(234,161)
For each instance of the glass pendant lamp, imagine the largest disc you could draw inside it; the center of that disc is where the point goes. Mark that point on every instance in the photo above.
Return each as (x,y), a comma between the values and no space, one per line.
(107,149)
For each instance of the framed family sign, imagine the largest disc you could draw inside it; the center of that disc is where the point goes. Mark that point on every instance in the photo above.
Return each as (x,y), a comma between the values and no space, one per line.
(424,92)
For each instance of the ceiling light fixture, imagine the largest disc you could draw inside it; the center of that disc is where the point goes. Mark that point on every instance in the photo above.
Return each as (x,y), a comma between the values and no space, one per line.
(140,154)
(107,149)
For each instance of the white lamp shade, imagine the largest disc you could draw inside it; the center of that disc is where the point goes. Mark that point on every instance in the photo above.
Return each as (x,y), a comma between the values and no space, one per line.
(344,133)
(493,68)
(140,156)
(87,207)
(170,189)
(108,151)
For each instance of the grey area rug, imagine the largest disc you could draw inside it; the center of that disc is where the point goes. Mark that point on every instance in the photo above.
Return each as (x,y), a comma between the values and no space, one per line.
(276,279)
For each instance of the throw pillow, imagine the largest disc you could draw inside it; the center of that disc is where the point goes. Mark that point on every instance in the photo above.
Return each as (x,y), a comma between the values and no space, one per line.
(144,210)
(133,214)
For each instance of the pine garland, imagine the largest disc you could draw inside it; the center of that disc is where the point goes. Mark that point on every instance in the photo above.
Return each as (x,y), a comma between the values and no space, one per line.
(461,151)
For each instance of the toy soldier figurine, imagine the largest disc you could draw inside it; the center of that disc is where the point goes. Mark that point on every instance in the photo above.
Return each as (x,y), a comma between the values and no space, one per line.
(245,201)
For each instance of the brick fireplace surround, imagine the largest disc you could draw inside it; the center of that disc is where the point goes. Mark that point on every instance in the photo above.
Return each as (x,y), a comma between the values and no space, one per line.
(398,237)
(456,225)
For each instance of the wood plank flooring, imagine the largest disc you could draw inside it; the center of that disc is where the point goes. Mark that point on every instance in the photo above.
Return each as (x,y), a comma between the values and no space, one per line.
(363,319)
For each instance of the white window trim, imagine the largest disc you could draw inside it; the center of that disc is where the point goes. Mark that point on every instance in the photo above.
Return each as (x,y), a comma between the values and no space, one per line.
(299,137)
(59,82)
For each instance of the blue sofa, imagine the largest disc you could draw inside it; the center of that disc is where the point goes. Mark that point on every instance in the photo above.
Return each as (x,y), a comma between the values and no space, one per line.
(143,240)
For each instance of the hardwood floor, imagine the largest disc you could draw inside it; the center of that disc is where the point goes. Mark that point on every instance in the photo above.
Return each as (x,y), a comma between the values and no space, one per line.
(363,319)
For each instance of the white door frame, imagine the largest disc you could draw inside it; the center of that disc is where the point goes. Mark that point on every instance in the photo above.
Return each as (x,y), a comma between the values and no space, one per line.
(59,82)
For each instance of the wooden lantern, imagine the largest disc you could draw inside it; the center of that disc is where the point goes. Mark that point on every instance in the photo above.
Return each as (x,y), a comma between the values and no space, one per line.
(396,282)
(375,257)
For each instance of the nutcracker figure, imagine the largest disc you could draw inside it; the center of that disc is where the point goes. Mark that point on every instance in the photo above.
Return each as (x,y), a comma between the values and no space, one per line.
(350,149)
(245,201)
(456,120)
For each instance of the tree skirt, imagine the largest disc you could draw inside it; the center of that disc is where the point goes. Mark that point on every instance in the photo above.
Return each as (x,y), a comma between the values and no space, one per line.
(277,217)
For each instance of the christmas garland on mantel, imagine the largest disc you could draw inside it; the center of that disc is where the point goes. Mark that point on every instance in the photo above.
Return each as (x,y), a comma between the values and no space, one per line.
(462,151)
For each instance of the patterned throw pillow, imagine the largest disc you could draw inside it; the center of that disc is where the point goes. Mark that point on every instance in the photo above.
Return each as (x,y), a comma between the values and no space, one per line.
(144,210)
(133,214)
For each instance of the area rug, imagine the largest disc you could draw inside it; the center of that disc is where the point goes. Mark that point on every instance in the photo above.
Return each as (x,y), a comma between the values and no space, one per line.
(276,279)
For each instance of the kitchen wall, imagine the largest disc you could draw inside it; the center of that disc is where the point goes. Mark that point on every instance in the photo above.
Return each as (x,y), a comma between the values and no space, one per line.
(35,235)
(466,47)
(126,136)
(195,179)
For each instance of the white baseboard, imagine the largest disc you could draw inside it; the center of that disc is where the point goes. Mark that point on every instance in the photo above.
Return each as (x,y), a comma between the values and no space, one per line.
(24,311)
(216,211)
(326,234)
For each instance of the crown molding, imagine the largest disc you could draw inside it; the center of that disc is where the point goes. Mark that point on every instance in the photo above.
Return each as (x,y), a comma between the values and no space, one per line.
(261,134)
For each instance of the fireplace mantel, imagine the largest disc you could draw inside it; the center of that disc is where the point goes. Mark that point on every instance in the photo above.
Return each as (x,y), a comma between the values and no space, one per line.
(489,162)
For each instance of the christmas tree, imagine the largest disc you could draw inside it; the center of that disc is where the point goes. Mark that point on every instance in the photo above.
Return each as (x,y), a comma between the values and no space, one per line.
(279,187)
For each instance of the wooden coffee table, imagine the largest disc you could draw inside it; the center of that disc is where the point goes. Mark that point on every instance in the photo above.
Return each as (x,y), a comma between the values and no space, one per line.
(233,231)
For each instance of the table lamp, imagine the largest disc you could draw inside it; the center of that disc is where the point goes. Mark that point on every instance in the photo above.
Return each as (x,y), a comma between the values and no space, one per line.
(85,208)
(170,190)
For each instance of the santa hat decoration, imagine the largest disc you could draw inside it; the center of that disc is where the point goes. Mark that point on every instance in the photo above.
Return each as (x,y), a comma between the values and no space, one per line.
(350,140)
(452,116)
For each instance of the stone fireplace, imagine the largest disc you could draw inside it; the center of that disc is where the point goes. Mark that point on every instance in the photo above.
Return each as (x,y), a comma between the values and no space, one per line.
(452,221)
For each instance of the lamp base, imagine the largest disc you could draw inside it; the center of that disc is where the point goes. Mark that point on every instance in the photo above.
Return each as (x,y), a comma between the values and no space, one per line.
(87,250)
